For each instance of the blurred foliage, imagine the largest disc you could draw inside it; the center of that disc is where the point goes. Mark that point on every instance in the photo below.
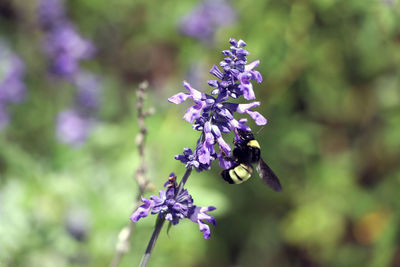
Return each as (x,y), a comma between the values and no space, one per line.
(331,92)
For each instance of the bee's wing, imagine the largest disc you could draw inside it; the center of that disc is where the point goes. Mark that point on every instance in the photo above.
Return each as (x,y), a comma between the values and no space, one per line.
(268,176)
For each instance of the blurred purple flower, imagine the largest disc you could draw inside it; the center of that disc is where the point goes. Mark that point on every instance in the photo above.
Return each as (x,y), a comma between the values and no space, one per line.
(67,48)
(72,127)
(88,92)
(12,86)
(206,18)
(51,13)
(214,115)
(174,207)
(63,45)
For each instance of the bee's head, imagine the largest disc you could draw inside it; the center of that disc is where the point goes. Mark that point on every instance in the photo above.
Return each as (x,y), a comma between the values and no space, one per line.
(244,135)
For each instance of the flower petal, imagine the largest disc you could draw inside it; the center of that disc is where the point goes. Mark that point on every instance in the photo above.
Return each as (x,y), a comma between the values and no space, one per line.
(257,117)
(204,155)
(242,108)
(199,215)
(143,210)
(247,87)
(192,113)
(178,98)
(224,163)
(196,95)
(255,75)
(252,65)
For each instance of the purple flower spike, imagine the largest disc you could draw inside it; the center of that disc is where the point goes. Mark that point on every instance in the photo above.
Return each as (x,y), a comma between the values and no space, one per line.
(169,204)
(214,115)
(200,216)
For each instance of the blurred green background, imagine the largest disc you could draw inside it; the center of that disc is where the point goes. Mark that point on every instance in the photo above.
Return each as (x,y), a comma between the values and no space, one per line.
(331,93)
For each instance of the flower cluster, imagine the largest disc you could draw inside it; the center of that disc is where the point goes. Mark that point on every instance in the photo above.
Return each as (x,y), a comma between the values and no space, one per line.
(213,115)
(63,44)
(65,49)
(74,125)
(206,18)
(12,86)
(174,205)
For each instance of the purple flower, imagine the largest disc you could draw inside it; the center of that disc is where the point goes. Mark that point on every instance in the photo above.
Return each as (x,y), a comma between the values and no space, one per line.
(88,92)
(72,127)
(188,158)
(199,215)
(12,86)
(63,45)
(169,204)
(174,206)
(213,115)
(51,13)
(206,18)
(66,48)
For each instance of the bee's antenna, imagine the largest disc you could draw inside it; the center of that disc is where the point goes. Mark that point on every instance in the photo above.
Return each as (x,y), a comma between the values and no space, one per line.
(259,130)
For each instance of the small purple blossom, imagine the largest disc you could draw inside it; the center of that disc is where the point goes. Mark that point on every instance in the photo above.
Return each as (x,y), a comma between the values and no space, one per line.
(88,92)
(12,69)
(199,215)
(63,44)
(72,127)
(203,21)
(213,115)
(12,86)
(51,13)
(174,206)
(66,48)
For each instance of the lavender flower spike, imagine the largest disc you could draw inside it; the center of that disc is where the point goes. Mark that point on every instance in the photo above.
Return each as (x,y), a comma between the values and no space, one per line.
(213,114)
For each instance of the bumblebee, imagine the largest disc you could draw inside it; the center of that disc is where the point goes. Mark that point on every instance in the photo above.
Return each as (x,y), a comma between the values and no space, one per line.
(246,152)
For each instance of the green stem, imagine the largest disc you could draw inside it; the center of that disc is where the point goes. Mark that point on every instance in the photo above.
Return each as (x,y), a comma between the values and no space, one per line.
(159,224)
(183,180)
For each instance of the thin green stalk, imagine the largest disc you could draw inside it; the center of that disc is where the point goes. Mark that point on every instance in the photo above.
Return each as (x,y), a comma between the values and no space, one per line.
(159,224)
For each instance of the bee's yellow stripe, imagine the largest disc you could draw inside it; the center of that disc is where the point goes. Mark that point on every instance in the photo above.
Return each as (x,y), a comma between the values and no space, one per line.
(253,143)
(240,173)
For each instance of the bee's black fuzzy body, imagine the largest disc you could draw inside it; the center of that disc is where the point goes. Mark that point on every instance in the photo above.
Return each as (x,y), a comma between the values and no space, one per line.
(246,152)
